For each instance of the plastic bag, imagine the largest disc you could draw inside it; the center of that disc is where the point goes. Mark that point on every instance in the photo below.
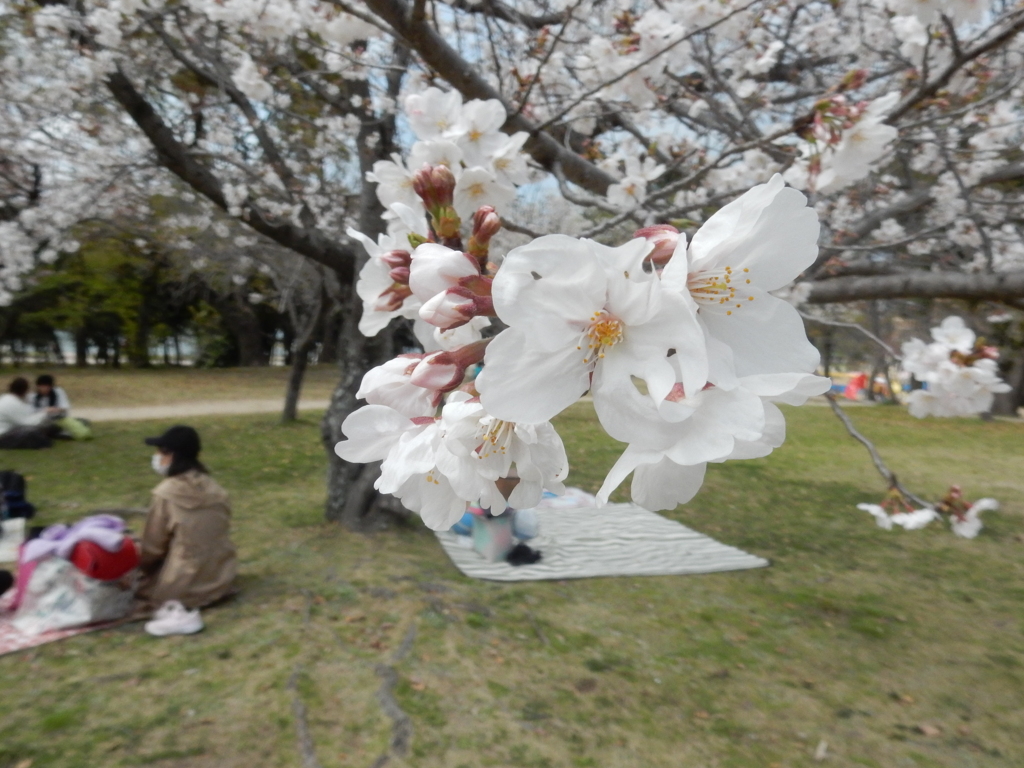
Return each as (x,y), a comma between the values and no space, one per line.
(77,428)
(60,596)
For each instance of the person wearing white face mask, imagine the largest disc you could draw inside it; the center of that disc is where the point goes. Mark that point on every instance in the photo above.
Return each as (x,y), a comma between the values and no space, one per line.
(187,558)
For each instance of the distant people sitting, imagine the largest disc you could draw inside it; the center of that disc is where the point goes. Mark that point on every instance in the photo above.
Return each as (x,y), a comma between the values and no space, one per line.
(188,560)
(49,395)
(21,425)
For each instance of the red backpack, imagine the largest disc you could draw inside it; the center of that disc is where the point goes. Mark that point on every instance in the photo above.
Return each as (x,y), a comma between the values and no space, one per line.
(93,560)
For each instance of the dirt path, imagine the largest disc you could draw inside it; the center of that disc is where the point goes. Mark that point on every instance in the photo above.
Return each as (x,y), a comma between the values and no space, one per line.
(184,410)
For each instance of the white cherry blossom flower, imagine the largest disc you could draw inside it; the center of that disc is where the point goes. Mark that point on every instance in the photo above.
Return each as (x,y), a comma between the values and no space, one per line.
(509,162)
(576,309)
(478,186)
(670,445)
(394,183)
(409,451)
(382,298)
(860,147)
(954,333)
(758,243)
(969,526)
(483,449)
(433,113)
(478,131)
(436,152)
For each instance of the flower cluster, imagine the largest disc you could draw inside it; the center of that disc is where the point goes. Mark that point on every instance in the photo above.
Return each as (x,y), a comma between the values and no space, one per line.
(842,141)
(461,162)
(682,345)
(964,516)
(958,370)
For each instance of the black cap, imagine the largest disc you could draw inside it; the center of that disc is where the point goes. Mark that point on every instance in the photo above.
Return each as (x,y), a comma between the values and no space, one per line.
(182,441)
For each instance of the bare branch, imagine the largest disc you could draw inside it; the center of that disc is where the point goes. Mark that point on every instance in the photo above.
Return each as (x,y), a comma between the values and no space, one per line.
(466,78)
(883,470)
(1005,286)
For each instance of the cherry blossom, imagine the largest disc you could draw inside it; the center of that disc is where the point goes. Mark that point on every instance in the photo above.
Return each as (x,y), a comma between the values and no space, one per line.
(576,309)
(758,243)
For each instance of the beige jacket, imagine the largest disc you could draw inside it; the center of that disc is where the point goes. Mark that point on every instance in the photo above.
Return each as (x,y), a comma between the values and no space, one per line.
(187,553)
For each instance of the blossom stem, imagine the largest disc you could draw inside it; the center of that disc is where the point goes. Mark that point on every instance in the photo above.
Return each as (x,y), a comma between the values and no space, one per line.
(876,457)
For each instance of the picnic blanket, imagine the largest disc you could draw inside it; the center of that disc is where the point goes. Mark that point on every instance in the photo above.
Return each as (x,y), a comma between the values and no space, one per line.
(616,540)
(12,639)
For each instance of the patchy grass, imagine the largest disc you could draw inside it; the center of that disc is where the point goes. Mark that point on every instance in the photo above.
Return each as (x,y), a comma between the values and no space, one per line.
(855,636)
(100,387)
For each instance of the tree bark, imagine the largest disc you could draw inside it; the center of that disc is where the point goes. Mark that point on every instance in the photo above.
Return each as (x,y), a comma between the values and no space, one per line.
(1005,286)
(1007,403)
(351,497)
(81,349)
(304,342)
(300,360)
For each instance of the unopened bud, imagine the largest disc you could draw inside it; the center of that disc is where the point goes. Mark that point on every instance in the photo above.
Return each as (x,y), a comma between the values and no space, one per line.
(445,371)
(397,258)
(435,184)
(664,237)
(486,224)
(391,299)
(400,275)
(455,307)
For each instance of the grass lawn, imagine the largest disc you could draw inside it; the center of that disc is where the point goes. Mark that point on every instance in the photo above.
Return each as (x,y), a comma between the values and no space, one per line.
(102,387)
(855,636)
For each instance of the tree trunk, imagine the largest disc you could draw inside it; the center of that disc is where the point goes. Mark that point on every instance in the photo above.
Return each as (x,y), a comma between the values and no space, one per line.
(1007,403)
(351,497)
(331,338)
(304,343)
(81,349)
(243,324)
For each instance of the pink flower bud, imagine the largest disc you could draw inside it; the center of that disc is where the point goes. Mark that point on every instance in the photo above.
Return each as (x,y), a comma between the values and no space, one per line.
(665,237)
(455,307)
(397,258)
(391,299)
(486,224)
(436,187)
(400,275)
(450,309)
(444,371)
(438,372)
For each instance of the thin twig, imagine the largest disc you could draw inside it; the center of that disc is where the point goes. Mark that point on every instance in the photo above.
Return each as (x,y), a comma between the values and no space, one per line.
(884,471)
(855,326)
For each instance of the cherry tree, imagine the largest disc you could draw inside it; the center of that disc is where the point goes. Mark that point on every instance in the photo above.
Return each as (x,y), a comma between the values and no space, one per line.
(900,121)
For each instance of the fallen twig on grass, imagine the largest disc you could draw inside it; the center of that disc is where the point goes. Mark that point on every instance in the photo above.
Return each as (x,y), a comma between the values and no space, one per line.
(876,457)
(401,725)
(307,749)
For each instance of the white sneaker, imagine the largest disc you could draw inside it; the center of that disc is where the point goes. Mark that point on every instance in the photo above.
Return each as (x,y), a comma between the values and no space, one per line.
(173,618)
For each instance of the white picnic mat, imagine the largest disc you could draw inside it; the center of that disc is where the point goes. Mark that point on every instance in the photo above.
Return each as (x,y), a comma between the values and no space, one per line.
(616,540)
(14,534)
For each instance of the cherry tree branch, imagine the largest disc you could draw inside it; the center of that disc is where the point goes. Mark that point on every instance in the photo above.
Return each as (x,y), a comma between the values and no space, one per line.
(876,457)
(466,78)
(855,326)
(929,88)
(1003,286)
(174,156)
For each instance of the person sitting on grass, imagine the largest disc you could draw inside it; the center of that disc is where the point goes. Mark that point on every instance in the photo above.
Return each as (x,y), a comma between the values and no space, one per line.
(187,558)
(21,425)
(49,395)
